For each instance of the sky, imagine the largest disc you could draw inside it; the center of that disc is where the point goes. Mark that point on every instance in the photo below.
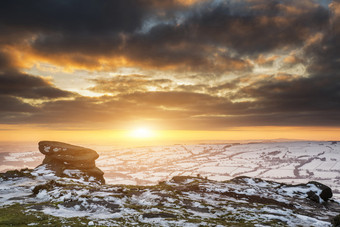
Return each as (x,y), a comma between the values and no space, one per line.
(126,70)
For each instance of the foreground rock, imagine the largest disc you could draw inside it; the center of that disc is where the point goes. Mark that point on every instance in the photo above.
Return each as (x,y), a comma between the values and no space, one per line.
(325,191)
(68,160)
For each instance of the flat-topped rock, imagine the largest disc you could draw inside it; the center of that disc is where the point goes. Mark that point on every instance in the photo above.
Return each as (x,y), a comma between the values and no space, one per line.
(67,160)
(67,152)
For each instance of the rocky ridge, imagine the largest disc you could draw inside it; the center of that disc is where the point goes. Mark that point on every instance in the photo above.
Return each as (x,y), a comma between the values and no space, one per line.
(44,196)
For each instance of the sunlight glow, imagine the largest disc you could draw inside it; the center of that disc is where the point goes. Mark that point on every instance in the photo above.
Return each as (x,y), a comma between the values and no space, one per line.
(142,133)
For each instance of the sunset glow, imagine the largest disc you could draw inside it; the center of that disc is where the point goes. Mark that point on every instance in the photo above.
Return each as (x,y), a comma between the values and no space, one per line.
(205,69)
(142,133)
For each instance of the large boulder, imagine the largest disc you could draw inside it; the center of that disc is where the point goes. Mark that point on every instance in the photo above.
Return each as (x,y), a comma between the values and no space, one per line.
(68,160)
(324,192)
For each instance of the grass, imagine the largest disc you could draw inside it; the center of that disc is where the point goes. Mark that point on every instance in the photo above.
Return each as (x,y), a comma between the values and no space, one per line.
(16,215)
(19,215)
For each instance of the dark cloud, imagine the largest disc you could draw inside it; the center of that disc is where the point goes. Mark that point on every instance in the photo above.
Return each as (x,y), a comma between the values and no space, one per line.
(73,113)
(176,47)
(325,53)
(13,110)
(14,86)
(301,101)
(5,62)
(251,29)
(87,16)
(103,112)
(215,39)
(306,94)
(181,110)
(11,104)
(76,27)
(16,83)
(247,28)
(27,86)
(206,37)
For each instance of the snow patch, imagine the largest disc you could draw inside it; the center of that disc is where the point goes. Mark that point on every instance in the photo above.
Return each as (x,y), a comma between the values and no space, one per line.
(56,149)
(47,149)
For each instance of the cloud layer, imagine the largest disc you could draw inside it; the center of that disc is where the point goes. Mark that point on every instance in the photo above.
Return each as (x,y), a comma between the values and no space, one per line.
(205,64)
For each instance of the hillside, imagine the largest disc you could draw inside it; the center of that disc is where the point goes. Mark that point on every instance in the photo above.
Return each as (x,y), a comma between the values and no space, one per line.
(37,197)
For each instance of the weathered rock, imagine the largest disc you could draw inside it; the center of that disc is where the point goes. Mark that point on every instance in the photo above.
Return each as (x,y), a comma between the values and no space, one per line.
(326,192)
(96,172)
(67,152)
(68,160)
(50,159)
(312,196)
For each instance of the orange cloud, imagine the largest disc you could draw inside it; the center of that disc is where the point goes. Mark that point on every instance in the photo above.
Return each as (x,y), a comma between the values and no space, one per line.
(262,60)
(190,2)
(291,59)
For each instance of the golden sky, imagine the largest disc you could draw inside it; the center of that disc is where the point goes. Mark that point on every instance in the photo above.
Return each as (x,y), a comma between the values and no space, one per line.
(146,70)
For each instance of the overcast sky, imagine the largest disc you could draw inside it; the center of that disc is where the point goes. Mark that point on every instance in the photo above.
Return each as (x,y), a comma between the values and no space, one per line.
(172,64)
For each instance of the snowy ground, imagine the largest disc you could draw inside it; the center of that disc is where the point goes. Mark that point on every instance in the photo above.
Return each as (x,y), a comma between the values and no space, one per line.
(39,198)
(289,162)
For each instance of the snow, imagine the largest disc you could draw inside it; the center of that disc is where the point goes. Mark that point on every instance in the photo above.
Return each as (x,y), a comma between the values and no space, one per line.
(149,165)
(251,181)
(30,156)
(313,221)
(70,172)
(56,149)
(47,149)
(146,199)
(299,191)
(42,172)
(336,166)
(43,195)
(278,173)
(272,161)
(11,189)
(217,169)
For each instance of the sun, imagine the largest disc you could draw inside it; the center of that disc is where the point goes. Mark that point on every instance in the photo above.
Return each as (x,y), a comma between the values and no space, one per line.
(142,133)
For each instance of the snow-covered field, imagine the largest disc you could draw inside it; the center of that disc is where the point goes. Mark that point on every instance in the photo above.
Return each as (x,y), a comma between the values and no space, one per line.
(290,162)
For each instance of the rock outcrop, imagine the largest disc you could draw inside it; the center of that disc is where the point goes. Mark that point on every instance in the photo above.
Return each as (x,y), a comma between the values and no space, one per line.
(68,160)
(325,192)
